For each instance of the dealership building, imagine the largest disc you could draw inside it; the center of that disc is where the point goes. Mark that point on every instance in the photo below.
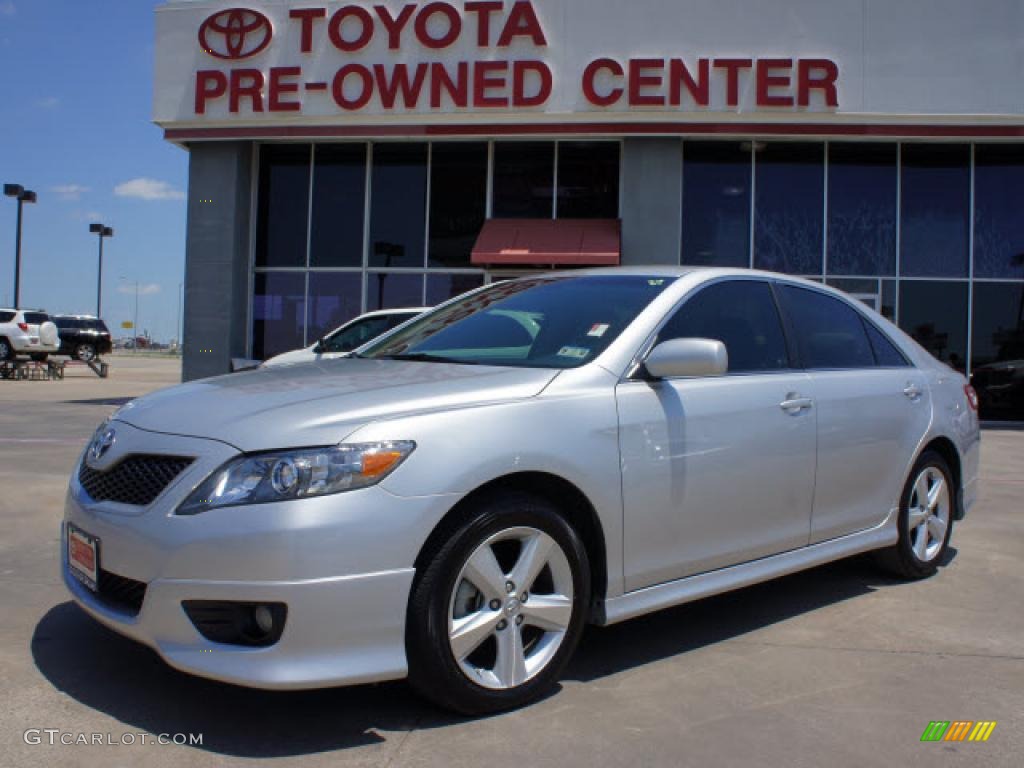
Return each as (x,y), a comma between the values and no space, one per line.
(352,156)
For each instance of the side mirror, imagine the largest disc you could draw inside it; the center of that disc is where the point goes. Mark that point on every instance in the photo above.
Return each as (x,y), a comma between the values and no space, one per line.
(687,357)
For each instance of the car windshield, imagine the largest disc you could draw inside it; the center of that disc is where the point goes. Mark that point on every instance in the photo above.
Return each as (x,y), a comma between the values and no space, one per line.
(544,322)
(355,335)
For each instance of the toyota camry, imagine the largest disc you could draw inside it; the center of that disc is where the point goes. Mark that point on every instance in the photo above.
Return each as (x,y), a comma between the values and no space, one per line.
(455,502)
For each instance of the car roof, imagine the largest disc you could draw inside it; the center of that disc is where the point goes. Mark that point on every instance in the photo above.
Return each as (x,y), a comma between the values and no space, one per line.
(400,311)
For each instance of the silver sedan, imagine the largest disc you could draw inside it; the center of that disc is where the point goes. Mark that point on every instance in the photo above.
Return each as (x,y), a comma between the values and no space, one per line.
(458,500)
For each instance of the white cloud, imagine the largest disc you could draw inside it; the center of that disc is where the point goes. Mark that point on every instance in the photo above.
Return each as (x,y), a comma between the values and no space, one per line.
(69,191)
(148,189)
(87,216)
(145,289)
(49,102)
(7,8)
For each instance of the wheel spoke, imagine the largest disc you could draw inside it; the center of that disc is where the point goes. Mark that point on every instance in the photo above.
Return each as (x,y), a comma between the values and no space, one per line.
(469,632)
(484,573)
(532,559)
(917,516)
(937,528)
(921,490)
(548,612)
(510,664)
(921,542)
(935,493)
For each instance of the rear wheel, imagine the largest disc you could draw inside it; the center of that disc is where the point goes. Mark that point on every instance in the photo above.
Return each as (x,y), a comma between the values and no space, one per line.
(925,519)
(6,351)
(498,612)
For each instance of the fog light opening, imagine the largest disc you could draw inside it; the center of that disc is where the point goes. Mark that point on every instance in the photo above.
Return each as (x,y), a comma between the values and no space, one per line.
(257,625)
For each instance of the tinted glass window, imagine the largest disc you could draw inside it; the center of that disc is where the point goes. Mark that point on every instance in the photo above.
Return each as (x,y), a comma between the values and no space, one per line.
(935,210)
(440,288)
(396,320)
(6,317)
(393,291)
(862,180)
(36,318)
(886,353)
(334,299)
(829,333)
(524,180)
(716,204)
(357,334)
(743,316)
(997,354)
(278,312)
(789,208)
(339,195)
(458,201)
(998,203)
(588,180)
(398,208)
(283,215)
(935,314)
(532,323)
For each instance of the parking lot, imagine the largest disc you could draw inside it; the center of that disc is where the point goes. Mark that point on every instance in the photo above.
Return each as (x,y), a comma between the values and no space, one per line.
(838,666)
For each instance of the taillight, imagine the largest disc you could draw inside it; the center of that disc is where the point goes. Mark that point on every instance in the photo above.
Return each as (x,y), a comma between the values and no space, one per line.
(972,397)
(24,327)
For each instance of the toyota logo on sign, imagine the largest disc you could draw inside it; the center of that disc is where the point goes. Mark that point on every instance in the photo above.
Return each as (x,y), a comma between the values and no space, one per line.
(236,33)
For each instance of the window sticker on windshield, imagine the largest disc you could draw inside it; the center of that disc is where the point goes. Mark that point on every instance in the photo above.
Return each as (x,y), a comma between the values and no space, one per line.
(598,329)
(577,353)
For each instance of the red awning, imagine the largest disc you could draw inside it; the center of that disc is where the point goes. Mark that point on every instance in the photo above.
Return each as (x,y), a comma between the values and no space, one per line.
(556,242)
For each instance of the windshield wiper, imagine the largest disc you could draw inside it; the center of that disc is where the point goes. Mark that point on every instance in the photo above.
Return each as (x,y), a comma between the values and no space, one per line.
(423,357)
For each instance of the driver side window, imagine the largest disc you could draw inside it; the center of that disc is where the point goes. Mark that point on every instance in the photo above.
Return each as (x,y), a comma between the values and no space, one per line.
(742,315)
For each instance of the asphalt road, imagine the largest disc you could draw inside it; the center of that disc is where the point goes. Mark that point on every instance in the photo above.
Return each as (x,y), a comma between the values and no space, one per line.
(838,666)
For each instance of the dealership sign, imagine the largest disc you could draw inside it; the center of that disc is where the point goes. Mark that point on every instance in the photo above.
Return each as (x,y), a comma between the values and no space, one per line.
(447,58)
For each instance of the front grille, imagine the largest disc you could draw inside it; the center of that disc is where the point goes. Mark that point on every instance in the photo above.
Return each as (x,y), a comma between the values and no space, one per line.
(135,480)
(121,593)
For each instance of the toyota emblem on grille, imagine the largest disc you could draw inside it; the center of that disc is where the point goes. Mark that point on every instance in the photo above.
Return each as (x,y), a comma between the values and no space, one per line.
(236,33)
(101,444)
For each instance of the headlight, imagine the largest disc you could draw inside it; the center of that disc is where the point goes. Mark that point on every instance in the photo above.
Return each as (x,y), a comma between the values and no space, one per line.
(282,475)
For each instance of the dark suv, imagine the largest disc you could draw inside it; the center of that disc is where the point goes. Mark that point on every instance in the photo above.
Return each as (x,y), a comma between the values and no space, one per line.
(82,336)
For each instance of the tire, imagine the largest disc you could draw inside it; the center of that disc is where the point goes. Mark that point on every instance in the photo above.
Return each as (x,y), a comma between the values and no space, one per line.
(85,352)
(910,558)
(6,350)
(39,357)
(486,678)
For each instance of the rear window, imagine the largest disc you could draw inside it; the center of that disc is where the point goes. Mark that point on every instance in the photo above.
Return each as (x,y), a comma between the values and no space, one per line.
(36,318)
(6,317)
(93,325)
(829,333)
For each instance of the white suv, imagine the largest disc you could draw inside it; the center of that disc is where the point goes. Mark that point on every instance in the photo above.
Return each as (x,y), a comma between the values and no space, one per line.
(24,332)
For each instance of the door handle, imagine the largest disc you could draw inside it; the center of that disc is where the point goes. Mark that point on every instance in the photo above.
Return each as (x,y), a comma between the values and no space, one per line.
(794,404)
(913,391)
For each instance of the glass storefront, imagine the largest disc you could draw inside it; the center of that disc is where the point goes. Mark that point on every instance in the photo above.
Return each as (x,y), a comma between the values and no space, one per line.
(929,234)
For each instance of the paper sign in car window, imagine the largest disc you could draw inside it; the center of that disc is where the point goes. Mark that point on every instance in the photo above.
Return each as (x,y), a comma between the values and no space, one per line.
(576,353)
(598,330)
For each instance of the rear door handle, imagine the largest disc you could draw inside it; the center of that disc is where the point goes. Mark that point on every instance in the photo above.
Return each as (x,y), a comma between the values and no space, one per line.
(794,404)
(913,391)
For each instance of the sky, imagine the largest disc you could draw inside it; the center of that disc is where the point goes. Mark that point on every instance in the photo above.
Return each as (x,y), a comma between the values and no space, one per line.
(75,127)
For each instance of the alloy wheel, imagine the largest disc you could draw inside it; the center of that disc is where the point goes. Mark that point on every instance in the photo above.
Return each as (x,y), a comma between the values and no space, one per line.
(929,514)
(510,608)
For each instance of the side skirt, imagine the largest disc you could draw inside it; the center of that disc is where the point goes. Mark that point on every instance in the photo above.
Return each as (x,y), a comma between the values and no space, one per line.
(692,588)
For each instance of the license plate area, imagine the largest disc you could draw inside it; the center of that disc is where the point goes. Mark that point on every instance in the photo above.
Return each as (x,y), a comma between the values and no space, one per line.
(84,557)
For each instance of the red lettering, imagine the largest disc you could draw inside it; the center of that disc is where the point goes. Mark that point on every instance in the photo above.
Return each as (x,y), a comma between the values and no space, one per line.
(334,29)
(246,84)
(366,87)
(638,81)
(394,26)
(522,22)
(307,17)
(766,81)
(278,89)
(400,83)
(732,68)
(520,70)
(484,82)
(818,74)
(458,89)
(210,84)
(423,20)
(679,77)
(590,76)
(483,10)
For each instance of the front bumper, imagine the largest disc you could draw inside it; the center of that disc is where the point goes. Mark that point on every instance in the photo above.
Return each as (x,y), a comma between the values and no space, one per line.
(342,564)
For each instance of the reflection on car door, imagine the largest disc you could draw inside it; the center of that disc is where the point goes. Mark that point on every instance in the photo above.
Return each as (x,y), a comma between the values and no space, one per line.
(718,471)
(873,408)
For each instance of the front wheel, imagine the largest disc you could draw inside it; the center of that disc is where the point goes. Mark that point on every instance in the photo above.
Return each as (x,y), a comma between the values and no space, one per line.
(85,352)
(498,612)
(925,519)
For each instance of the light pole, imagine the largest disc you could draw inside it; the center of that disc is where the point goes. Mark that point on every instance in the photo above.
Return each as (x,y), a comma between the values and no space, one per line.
(23,196)
(102,232)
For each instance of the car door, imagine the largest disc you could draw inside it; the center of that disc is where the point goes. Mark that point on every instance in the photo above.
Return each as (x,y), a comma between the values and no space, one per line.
(717,471)
(873,408)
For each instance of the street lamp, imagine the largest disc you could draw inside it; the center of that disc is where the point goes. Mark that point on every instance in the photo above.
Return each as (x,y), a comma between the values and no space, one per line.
(102,232)
(23,196)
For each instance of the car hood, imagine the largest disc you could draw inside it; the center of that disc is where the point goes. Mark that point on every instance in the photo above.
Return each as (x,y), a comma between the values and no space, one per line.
(322,403)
